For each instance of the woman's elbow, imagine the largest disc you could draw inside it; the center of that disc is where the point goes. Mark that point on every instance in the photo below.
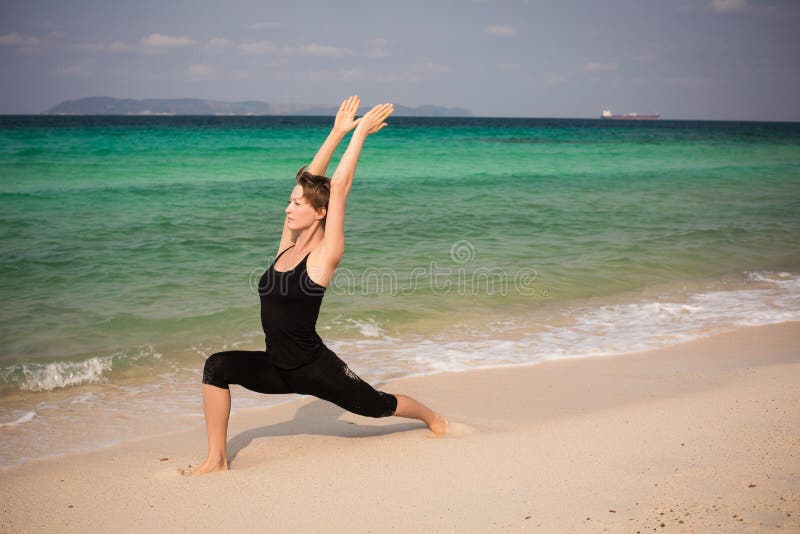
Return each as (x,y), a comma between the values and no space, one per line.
(342,184)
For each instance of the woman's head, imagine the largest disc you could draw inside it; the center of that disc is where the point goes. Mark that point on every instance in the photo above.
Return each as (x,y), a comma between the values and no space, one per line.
(309,200)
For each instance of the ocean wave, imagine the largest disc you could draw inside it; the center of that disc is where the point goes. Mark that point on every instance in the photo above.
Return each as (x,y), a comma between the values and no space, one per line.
(775,278)
(365,327)
(53,375)
(47,376)
(581,330)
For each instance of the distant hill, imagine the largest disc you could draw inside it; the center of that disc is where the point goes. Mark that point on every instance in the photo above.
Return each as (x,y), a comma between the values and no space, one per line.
(106,105)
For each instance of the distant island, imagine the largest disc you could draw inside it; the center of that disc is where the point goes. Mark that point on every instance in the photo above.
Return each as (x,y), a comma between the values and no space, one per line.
(105,105)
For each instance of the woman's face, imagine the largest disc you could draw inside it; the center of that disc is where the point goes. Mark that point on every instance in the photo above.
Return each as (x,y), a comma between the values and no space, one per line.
(300,214)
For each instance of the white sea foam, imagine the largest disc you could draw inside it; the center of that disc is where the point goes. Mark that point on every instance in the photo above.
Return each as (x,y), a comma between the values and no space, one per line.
(85,398)
(47,376)
(584,331)
(770,277)
(26,417)
(365,327)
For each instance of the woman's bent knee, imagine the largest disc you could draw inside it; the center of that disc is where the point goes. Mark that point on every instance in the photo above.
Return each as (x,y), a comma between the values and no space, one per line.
(386,407)
(214,371)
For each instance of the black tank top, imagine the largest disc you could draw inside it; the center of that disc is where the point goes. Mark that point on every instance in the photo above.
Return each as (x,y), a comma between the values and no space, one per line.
(290,303)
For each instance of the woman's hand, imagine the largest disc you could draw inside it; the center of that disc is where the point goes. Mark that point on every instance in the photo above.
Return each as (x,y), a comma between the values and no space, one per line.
(345,116)
(372,121)
(344,123)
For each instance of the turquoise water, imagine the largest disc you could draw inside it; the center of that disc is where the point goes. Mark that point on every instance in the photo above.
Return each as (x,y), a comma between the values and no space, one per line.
(131,246)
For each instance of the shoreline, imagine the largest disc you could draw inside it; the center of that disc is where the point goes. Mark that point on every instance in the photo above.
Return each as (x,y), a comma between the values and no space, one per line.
(157,381)
(245,398)
(682,430)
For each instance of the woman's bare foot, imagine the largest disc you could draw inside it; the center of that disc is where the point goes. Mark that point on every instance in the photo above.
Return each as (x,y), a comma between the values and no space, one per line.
(209,466)
(439,425)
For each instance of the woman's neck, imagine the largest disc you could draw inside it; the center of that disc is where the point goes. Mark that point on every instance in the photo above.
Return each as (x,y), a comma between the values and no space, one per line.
(309,238)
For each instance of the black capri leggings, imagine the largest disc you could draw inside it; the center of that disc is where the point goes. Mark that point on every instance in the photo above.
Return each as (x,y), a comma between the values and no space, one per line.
(327,377)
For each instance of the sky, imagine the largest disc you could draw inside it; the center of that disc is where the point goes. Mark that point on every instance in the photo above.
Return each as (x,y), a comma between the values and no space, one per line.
(683,59)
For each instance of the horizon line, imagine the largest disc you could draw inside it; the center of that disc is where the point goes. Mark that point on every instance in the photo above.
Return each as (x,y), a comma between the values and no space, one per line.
(450,117)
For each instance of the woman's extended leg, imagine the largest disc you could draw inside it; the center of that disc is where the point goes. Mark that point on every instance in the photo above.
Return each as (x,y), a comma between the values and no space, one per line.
(408,407)
(331,379)
(217,408)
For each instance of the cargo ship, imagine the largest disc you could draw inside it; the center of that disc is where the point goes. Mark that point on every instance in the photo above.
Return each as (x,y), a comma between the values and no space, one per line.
(629,116)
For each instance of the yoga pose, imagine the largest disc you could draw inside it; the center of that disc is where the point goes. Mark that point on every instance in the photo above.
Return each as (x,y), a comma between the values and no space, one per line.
(291,290)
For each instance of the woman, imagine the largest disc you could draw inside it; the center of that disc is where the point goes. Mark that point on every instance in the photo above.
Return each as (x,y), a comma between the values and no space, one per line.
(291,291)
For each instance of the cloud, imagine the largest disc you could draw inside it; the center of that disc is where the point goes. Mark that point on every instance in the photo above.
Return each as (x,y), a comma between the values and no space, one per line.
(10,38)
(201,70)
(377,48)
(722,6)
(114,47)
(377,53)
(352,75)
(15,38)
(159,41)
(119,46)
(219,42)
(508,66)
(554,79)
(600,67)
(314,49)
(24,45)
(55,35)
(70,71)
(502,30)
(256,48)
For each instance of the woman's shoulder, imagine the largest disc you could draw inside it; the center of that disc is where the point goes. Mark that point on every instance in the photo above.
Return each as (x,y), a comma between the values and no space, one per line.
(319,269)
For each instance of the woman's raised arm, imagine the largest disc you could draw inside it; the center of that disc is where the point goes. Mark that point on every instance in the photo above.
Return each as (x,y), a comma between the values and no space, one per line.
(333,243)
(343,123)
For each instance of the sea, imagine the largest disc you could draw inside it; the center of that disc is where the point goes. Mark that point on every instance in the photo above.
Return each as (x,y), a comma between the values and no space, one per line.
(131,248)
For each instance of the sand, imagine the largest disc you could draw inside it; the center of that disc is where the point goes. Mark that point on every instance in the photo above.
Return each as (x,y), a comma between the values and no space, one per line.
(698,437)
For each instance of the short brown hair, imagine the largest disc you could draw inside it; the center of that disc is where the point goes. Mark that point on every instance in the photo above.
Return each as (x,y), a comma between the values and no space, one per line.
(316,189)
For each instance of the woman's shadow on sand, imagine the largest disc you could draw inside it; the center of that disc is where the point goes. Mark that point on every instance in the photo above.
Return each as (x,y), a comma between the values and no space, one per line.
(319,418)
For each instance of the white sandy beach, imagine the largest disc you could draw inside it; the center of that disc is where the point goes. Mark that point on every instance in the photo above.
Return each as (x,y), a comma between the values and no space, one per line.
(698,437)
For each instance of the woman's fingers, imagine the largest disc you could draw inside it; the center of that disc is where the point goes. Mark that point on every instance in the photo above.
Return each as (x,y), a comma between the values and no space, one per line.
(381,111)
(386,110)
(344,117)
(350,104)
(373,120)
